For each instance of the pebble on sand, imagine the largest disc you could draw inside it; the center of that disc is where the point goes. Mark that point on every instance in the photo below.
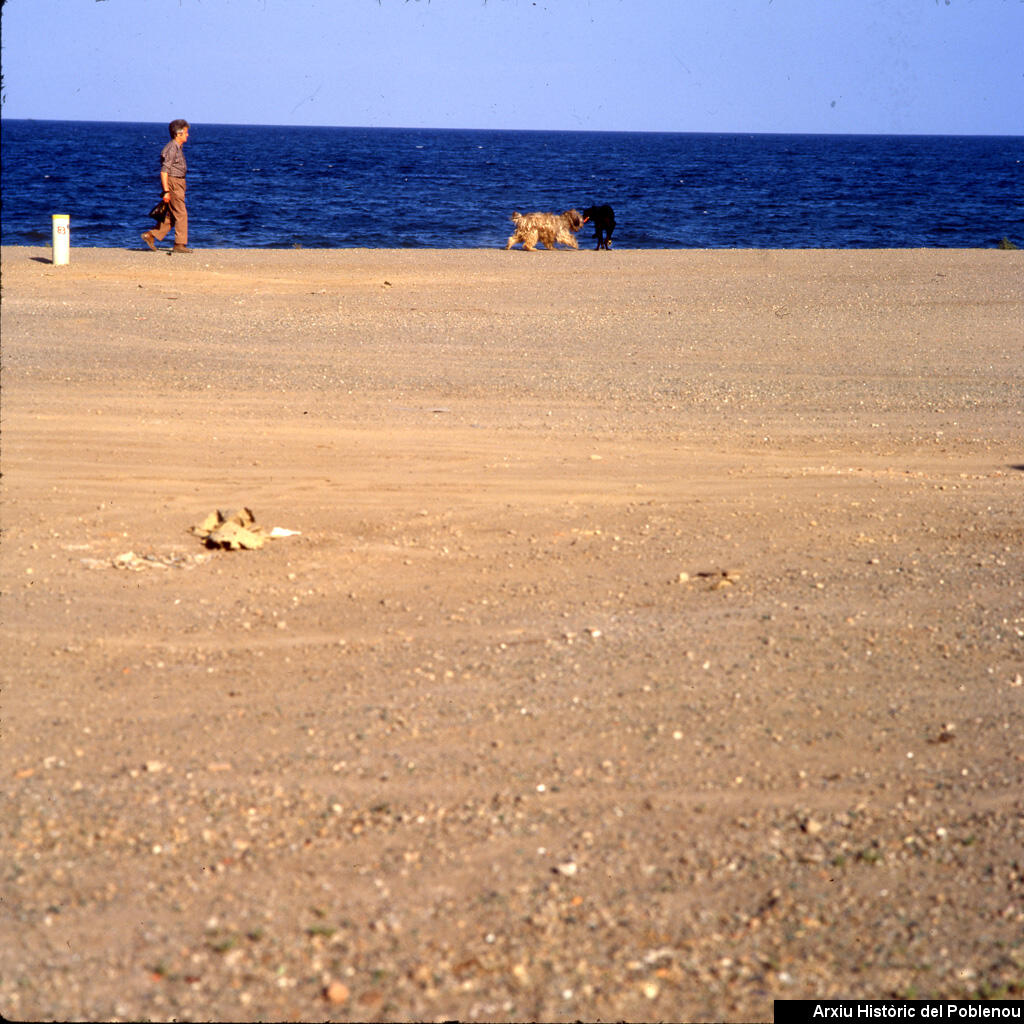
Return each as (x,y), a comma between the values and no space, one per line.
(336,993)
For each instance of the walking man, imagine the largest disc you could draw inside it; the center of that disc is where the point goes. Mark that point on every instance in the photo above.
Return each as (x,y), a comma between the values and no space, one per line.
(172,182)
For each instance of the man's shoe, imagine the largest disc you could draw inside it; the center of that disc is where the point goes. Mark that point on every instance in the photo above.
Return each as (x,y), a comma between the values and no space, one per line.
(149,240)
(181,248)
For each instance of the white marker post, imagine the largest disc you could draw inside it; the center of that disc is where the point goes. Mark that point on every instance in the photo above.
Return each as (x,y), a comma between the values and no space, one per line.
(61,239)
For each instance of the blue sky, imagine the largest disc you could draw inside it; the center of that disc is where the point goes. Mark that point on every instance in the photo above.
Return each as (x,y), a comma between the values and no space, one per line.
(890,66)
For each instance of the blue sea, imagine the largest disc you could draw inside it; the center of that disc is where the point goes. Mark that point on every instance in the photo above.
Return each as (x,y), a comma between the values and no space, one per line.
(283,187)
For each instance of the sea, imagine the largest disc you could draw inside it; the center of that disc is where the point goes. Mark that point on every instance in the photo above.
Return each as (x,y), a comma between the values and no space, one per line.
(261,186)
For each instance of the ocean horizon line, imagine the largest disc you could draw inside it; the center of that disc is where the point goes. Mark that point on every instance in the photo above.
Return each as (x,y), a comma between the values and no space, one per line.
(760,133)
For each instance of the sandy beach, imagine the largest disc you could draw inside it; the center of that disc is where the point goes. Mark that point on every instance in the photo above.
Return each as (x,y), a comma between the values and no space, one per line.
(647,644)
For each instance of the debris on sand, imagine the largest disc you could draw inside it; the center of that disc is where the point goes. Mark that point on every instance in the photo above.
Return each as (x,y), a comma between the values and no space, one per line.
(718,578)
(132,562)
(233,530)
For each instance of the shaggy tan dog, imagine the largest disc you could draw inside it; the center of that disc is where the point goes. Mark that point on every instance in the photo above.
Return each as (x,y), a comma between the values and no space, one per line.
(547,228)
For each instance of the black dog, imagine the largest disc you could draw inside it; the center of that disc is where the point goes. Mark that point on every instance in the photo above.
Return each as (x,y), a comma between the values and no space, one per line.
(604,224)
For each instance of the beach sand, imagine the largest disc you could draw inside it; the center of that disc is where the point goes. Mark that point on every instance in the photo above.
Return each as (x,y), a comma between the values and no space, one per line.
(651,646)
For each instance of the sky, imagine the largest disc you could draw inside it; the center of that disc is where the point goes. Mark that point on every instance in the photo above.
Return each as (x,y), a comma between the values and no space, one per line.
(852,66)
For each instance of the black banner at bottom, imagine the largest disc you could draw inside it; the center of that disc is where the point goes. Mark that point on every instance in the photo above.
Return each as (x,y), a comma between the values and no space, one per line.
(816,1011)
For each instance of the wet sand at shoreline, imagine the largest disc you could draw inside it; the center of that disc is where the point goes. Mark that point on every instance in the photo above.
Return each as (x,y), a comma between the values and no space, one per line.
(651,646)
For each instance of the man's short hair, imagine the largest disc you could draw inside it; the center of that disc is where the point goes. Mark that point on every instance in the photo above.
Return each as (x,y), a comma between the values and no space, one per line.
(177,125)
